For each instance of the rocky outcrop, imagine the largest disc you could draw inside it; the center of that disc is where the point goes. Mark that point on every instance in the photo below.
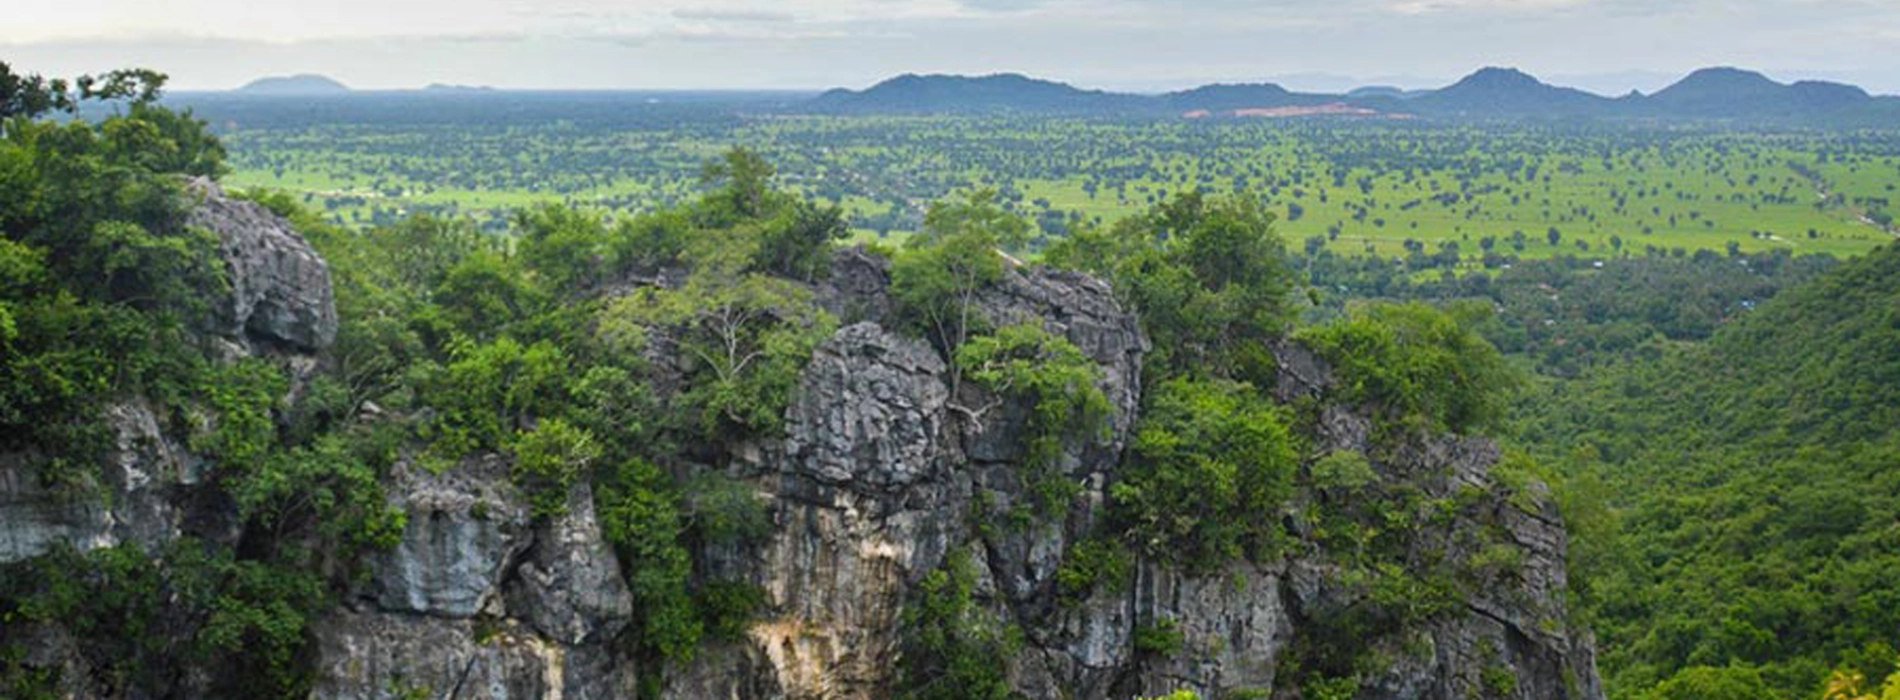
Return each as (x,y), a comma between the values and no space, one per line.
(881,477)
(465,528)
(280,291)
(478,600)
(865,502)
(138,475)
(146,493)
(883,474)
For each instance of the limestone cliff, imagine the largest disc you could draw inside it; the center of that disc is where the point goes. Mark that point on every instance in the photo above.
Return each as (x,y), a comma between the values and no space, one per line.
(878,480)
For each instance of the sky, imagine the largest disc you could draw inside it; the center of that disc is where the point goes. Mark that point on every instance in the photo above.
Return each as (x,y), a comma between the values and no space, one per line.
(1609,46)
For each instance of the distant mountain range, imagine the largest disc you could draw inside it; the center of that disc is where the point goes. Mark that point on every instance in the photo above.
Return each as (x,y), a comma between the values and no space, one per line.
(308,84)
(1728,94)
(294,85)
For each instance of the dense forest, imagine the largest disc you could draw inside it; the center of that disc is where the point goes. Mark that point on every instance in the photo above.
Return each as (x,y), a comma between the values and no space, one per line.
(1716,426)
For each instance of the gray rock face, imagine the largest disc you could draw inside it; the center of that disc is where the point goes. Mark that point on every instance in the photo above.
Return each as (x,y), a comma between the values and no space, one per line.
(570,587)
(480,601)
(380,656)
(280,288)
(863,506)
(870,411)
(465,527)
(137,502)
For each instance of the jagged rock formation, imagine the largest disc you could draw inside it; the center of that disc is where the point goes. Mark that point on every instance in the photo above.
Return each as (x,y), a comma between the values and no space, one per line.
(882,476)
(879,482)
(143,470)
(478,601)
(280,288)
(279,302)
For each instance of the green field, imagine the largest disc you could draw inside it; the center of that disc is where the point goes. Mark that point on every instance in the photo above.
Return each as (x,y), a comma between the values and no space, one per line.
(1526,191)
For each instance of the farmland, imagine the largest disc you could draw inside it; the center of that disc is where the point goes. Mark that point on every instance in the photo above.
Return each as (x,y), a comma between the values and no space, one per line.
(1531,191)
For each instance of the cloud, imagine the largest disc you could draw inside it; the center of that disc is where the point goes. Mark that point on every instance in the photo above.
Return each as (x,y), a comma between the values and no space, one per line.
(1001,5)
(736,16)
(1424,7)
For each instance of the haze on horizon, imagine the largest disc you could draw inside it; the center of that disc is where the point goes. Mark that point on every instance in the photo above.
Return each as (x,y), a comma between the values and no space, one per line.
(1609,46)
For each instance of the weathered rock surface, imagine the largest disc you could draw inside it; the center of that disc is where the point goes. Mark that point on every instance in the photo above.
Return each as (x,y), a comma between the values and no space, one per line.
(864,505)
(466,526)
(280,288)
(570,587)
(870,412)
(138,500)
(381,656)
(478,600)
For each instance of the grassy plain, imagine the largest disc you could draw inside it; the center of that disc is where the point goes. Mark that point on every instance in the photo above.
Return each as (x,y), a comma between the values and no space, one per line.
(1360,187)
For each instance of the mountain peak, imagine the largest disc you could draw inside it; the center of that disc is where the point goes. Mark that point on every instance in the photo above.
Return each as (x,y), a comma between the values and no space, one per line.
(1494,77)
(300,84)
(1496,91)
(1727,76)
(1731,92)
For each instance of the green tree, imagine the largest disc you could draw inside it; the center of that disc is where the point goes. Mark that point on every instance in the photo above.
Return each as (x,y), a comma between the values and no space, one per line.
(1061,386)
(1210,470)
(741,182)
(1714,683)
(548,461)
(953,649)
(564,245)
(1208,278)
(748,335)
(945,267)
(32,96)
(640,514)
(1421,366)
(490,391)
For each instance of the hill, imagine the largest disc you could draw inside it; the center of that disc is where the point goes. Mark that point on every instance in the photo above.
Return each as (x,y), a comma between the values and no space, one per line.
(1745,494)
(1006,92)
(305,84)
(1737,93)
(1226,98)
(1507,92)
(1726,94)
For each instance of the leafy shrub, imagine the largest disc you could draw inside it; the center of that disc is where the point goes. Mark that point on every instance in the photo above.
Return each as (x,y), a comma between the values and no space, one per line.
(726,608)
(489,391)
(1060,384)
(1347,470)
(1162,639)
(942,269)
(1208,277)
(1420,366)
(952,648)
(1210,470)
(640,515)
(1093,563)
(548,460)
(746,335)
(239,430)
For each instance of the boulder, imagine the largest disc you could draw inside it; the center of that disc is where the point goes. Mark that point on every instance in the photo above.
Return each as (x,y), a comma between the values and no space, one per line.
(280,293)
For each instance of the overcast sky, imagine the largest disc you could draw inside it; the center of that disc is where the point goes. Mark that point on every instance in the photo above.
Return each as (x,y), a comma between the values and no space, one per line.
(1605,45)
